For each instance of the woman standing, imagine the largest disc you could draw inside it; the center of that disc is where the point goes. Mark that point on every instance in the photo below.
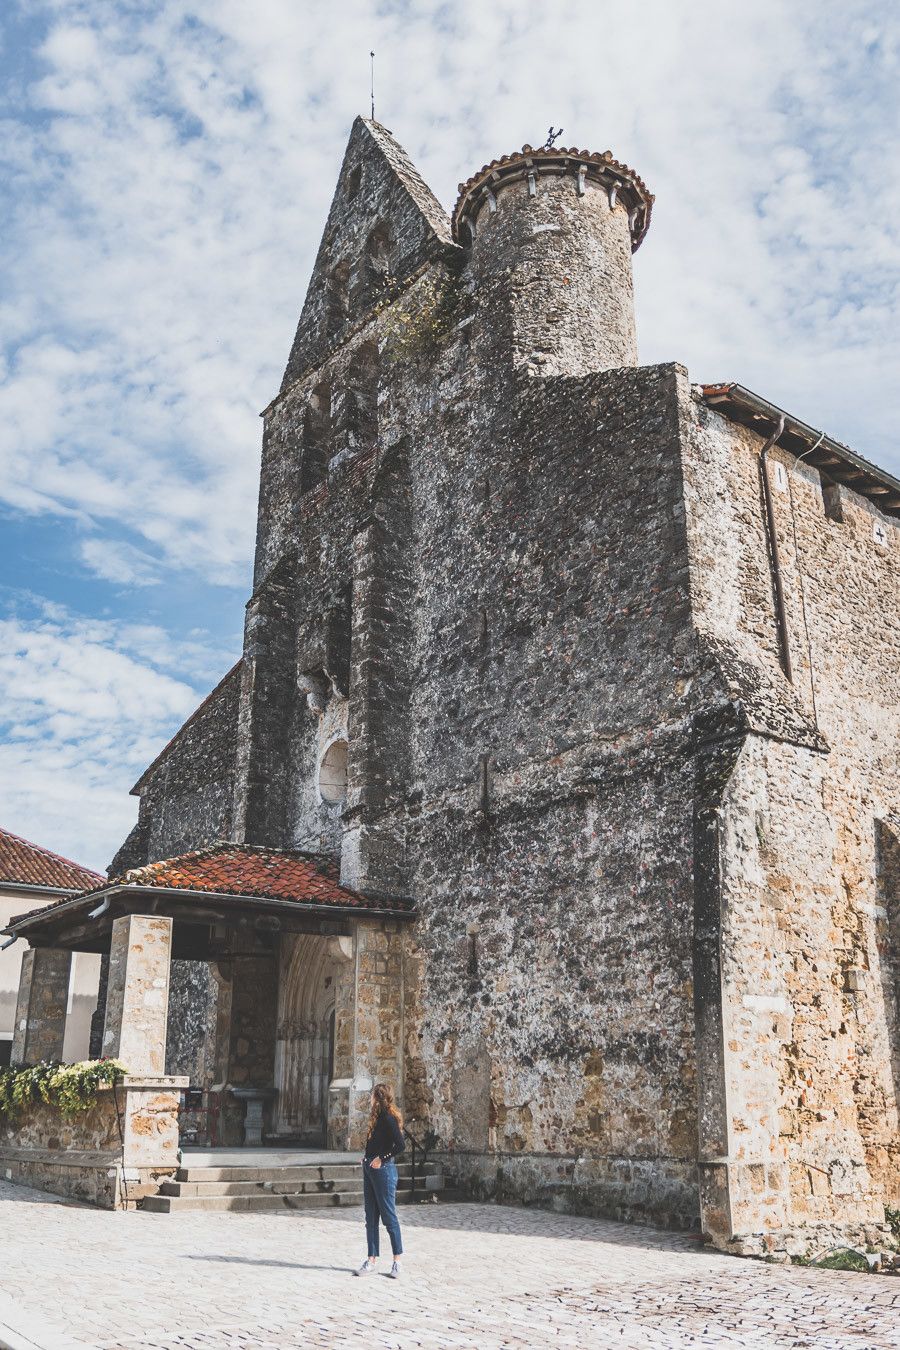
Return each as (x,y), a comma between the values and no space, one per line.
(383,1145)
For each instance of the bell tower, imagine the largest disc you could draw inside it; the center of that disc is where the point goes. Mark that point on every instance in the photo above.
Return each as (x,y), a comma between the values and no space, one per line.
(550,234)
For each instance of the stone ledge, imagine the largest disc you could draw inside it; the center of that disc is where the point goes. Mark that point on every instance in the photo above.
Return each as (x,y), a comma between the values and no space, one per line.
(10,1153)
(161,1084)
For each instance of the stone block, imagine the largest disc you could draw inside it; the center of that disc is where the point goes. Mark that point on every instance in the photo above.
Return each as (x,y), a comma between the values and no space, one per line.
(41,1005)
(138,993)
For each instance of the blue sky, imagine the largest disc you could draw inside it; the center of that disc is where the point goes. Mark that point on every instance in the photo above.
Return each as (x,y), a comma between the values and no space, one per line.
(167,171)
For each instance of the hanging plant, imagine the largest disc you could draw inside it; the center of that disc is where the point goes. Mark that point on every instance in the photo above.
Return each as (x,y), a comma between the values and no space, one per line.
(71,1088)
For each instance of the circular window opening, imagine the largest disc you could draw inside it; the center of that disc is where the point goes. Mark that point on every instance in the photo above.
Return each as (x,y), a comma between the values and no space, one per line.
(333,773)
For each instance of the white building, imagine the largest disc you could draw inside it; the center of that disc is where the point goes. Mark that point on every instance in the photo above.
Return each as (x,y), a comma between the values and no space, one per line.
(30,878)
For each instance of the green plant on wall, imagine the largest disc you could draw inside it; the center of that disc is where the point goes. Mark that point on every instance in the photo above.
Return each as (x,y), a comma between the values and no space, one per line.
(424,320)
(69,1087)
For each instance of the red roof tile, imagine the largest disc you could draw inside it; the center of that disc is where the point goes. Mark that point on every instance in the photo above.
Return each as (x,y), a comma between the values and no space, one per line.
(25,864)
(244,870)
(545,157)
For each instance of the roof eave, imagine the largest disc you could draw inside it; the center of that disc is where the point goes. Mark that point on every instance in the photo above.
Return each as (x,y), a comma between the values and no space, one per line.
(823,451)
(34,888)
(19,927)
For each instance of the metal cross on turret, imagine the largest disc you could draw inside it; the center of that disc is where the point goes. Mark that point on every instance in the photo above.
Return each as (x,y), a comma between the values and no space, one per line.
(552,137)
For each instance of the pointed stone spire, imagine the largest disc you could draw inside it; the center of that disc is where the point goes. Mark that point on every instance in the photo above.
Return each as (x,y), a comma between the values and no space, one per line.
(384,222)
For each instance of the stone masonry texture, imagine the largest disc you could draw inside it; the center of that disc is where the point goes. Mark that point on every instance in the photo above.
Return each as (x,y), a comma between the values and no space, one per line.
(40,1025)
(524,586)
(137,996)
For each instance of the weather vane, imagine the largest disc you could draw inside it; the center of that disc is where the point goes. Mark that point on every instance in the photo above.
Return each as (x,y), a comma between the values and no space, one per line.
(372,83)
(552,137)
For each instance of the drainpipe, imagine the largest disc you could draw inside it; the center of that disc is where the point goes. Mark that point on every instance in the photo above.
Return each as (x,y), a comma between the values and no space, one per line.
(9,942)
(780,612)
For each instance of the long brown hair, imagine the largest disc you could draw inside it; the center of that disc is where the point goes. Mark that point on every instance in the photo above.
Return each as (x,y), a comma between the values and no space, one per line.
(383,1100)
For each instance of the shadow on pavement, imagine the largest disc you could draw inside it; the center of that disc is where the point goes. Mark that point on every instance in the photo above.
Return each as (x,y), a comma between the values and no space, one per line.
(254,1261)
(529,1221)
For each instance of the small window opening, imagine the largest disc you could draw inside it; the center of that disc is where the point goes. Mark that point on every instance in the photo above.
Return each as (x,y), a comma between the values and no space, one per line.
(333,774)
(831,498)
(337,298)
(316,438)
(356,421)
(376,268)
(353,182)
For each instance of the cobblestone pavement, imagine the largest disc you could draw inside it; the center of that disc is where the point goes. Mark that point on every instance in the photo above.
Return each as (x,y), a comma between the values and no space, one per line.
(476,1276)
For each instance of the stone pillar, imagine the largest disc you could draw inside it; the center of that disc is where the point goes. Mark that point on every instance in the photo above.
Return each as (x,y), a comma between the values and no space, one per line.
(378,1020)
(137,998)
(41,1006)
(147,1111)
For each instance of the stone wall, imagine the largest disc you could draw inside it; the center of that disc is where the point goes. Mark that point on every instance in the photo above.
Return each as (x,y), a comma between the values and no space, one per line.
(535,593)
(186,796)
(111,1155)
(809,989)
(191,1023)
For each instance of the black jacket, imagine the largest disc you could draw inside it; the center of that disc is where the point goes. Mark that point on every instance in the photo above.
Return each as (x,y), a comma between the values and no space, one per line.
(386,1140)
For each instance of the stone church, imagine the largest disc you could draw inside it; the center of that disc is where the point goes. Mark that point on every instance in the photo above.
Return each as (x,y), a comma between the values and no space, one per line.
(558,781)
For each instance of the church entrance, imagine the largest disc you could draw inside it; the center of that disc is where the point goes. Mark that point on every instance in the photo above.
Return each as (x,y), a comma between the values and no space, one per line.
(312,976)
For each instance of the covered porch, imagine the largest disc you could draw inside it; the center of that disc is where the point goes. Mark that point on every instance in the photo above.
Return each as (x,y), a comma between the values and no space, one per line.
(251,995)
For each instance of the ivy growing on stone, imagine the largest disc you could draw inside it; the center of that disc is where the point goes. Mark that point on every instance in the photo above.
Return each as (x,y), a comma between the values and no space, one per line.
(424,320)
(71,1088)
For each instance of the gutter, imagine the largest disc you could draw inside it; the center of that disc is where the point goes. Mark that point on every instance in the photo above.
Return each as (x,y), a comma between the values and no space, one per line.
(31,889)
(156,892)
(803,441)
(784,649)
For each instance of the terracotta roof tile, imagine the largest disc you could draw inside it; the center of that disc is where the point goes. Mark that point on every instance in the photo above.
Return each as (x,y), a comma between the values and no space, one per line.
(604,165)
(244,870)
(27,864)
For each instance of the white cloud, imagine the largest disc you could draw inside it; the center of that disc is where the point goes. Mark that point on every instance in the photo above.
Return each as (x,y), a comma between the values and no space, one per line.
(85,705)
(120,562)
(167,171)
(173,182)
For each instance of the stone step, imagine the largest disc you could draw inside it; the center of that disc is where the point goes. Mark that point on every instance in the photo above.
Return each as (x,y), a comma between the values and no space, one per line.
(294,1171)
(267,1201)
(176,1204)
(277,1186)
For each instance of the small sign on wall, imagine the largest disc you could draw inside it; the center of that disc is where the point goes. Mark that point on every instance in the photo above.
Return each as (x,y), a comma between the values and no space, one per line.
(880,534)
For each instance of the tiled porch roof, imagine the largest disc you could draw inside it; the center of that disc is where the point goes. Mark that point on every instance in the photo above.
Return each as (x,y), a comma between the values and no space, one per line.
(246,870)
(231,875)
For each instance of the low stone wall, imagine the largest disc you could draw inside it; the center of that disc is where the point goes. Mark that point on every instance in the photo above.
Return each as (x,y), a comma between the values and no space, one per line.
(111,1156)
(658,1191)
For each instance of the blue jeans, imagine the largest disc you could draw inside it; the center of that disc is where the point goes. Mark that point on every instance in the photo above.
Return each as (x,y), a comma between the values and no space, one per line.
(379,1194)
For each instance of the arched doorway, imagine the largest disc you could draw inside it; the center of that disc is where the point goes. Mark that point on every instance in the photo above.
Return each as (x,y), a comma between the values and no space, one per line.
(310,971)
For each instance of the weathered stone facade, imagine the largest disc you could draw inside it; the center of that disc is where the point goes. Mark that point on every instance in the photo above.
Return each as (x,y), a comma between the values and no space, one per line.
(513,651)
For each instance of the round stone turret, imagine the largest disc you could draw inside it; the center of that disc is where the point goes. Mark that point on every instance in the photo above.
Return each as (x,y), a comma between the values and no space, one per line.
(550,234)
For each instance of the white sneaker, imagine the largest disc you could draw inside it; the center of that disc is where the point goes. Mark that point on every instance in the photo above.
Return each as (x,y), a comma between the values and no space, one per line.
(367,1268)
(395,1272)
